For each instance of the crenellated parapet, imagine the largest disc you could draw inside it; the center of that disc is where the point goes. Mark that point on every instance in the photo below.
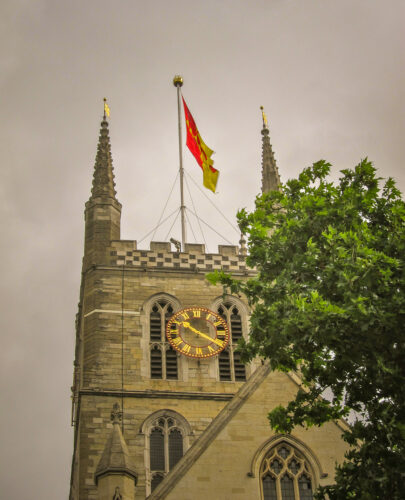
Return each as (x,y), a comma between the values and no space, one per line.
(160,255)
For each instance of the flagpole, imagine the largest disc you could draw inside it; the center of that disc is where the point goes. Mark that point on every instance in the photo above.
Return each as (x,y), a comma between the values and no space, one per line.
(178,82)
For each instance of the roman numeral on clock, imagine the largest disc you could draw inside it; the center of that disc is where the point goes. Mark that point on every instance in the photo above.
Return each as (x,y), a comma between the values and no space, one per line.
(197,325)
(186,348)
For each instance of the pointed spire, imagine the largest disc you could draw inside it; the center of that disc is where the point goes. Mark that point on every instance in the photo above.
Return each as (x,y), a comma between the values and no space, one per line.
(116,458)
(270,175)
(103,177)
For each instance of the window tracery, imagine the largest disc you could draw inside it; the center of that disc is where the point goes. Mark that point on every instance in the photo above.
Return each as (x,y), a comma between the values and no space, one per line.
(285,475)
(229,363)
(166,441)
(163,359)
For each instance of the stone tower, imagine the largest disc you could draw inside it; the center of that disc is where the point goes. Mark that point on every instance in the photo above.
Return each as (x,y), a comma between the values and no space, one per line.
(158,419)
(127,294)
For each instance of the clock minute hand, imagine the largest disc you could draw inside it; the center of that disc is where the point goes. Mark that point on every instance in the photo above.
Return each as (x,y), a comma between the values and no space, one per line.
(216,341)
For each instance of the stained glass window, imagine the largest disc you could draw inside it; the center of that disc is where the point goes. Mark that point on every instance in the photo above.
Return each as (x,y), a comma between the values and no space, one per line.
(157,447)
(285,475)
(269,488)
(175,447)
(287,488)
(305,488)
(166,447)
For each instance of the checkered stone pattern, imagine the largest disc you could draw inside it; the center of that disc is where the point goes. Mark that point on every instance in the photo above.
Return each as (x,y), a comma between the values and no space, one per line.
(173,260)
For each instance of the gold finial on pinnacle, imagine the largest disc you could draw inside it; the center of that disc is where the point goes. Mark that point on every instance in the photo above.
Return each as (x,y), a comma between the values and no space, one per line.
(178,81)
(264,117)
(106,109)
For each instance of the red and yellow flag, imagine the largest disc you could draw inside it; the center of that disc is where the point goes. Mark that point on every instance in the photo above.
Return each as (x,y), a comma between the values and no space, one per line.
(202,153)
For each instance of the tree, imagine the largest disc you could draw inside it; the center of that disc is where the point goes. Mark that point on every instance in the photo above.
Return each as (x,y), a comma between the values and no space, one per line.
(328,302)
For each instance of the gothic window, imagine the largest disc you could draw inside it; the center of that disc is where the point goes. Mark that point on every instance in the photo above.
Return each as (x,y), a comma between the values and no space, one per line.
(163,359)
(167,435)
(285,475)
(230,365)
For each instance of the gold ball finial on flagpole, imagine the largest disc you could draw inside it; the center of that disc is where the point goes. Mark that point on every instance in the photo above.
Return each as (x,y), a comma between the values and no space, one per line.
(178,81)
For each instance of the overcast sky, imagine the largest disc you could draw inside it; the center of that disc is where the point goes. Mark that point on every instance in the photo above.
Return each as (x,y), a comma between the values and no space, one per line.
(330,75)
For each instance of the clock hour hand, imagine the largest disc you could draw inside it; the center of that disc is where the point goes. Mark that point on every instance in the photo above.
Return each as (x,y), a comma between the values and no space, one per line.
(186,324)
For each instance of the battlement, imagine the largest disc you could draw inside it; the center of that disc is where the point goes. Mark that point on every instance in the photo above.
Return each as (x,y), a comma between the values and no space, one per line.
(160,255)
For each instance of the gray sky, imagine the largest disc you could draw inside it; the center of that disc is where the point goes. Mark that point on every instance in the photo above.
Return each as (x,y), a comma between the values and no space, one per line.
(330,75)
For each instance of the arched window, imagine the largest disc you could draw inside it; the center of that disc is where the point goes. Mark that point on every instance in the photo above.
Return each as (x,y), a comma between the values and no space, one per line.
(163,359)
(166,440)
(229,363)
(285,475)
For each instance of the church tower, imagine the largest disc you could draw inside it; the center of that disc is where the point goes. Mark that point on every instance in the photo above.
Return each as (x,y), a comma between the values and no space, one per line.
(162,406)
(166,396)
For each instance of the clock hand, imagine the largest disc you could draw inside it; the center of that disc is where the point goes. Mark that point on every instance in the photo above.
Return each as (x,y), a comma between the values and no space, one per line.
(216,341)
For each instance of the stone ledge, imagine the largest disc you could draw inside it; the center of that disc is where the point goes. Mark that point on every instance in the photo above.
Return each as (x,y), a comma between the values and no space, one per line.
(159,394)
(183,270)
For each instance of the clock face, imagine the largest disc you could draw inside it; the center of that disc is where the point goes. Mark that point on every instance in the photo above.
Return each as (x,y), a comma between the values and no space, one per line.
(197,332)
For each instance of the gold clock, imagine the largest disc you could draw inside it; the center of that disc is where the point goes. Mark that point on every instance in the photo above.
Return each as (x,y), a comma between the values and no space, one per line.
(197,332)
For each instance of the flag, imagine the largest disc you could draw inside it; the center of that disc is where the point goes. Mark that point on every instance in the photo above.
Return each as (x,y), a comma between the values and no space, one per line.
(106,108)
(201,152)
